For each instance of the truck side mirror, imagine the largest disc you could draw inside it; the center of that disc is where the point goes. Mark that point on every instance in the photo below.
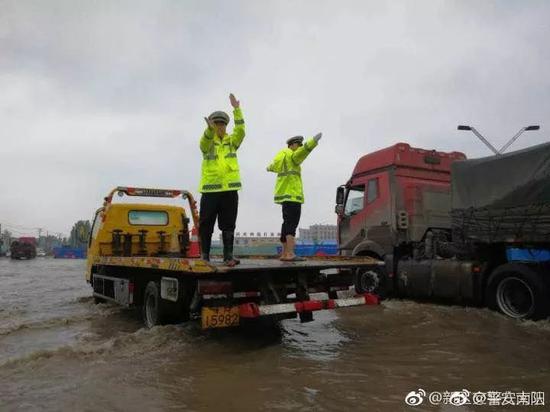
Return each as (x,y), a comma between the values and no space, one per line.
(339,210)
(340,193)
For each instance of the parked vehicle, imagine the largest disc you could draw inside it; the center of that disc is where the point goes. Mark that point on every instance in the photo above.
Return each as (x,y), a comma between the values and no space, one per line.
(23,248)
(467,231)
(147,256)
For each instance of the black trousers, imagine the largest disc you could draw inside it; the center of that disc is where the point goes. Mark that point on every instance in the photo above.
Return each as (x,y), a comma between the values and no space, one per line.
(218,205)
(291,219)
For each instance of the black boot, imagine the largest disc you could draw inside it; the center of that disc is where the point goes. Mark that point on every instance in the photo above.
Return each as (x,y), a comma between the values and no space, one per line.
(206,241)
(228,239)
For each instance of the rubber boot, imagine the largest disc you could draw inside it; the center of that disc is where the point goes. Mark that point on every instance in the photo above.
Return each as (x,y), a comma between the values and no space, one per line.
(228,239)
(206,241)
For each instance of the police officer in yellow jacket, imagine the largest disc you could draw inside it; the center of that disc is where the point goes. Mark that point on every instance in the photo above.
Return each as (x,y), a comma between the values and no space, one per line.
(220,180)
(289,191)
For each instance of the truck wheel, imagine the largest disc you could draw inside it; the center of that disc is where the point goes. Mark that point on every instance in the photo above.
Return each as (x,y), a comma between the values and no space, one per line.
(152,309)
(370,280)
(518,291)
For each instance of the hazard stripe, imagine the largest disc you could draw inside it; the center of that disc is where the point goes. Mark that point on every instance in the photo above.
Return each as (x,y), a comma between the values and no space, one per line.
(291,173)
(254,310)
(211,187)
(276,309)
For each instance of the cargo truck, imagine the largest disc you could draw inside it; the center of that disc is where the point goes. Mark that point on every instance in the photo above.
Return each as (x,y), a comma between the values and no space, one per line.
(146,256)
(23,248)
(473,232)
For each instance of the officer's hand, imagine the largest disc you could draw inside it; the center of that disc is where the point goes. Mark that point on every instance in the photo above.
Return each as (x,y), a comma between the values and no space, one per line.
(209,123)
(317,137)
(234,102)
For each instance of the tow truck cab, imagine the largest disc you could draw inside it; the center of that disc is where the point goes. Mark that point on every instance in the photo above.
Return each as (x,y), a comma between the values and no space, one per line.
(136,229)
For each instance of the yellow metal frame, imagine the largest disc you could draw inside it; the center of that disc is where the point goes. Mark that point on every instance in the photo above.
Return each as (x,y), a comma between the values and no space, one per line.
(115,216)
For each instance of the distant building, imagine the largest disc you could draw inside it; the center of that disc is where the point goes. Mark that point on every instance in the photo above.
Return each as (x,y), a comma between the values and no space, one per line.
(255,238)
(318,233)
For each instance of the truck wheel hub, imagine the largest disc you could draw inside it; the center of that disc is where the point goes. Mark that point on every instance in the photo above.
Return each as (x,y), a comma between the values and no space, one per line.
(369,281)
(515,298)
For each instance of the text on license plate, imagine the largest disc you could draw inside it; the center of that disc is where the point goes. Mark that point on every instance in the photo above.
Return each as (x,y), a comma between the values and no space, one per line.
(220,317)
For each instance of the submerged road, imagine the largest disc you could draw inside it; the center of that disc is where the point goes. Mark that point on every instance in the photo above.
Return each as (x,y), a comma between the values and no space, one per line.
(59,351)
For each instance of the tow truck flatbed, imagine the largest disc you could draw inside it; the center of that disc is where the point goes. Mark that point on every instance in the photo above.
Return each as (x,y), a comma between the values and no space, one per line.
(247,265)
(147,256)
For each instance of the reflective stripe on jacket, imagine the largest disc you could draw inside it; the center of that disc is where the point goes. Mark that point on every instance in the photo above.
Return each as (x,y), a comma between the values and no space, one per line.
(288,187)
(220,166)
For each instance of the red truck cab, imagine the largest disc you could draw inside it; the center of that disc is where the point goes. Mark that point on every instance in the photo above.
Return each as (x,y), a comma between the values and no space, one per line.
(394,195)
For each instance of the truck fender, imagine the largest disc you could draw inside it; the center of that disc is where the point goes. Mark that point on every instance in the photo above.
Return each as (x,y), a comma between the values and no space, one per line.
(368,247)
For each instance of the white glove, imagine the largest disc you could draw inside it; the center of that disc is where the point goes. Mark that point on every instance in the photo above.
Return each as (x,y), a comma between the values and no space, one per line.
(317,137)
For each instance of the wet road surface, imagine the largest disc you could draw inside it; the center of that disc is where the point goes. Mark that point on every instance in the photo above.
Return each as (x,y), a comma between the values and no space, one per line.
(60,351)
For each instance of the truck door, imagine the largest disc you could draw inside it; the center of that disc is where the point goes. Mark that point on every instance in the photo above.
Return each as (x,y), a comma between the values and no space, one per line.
(93,247)
(349,224)
(377,221)
(367,213)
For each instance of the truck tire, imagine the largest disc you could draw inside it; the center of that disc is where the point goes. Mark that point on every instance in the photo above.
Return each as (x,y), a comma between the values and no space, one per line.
(518,291)
(153,313)
(370,280)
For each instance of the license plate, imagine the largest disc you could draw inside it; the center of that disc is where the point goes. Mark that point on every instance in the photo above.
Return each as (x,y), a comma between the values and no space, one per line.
(220,317)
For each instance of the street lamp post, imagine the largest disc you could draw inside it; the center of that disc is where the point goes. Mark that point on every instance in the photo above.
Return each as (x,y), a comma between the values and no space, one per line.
(506,146)
(480,136)
(518,134)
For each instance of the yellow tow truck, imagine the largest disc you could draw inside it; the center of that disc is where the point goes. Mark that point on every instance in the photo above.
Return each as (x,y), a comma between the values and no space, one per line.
(147,256)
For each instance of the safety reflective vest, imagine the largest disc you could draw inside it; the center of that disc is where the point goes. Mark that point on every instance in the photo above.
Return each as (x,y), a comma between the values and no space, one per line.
(288,187)
(220,167)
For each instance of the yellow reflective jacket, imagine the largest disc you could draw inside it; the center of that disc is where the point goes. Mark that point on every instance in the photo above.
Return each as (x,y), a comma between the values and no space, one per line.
(288,187)
(220,167)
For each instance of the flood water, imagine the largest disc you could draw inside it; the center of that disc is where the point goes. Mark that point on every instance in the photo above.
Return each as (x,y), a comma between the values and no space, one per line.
(60,351)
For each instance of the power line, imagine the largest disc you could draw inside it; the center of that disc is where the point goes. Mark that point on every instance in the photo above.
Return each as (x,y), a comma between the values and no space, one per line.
(26,230)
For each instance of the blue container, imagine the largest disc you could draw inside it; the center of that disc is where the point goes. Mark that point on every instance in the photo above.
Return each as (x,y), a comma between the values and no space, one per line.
(313,250)
(527,255)
(69,253)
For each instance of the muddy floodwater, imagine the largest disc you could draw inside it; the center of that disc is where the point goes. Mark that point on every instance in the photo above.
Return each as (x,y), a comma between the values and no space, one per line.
(61,352)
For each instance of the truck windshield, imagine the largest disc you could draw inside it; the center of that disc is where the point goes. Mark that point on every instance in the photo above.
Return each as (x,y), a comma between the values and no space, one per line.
(355,200)
(148,217)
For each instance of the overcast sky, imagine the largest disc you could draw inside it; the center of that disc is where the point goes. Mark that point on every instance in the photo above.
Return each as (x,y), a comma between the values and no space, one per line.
(95,94)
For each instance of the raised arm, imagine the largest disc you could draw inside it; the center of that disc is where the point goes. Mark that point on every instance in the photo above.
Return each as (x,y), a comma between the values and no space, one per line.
(238,131)
(302,152)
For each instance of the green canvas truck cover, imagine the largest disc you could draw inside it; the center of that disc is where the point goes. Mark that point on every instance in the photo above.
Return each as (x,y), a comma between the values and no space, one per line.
(503,198)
